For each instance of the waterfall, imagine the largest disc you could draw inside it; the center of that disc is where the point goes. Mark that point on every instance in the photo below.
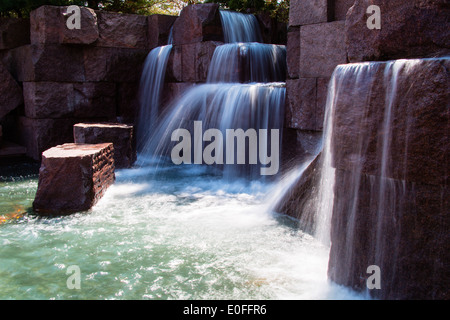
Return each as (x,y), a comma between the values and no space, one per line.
(248,94)
(248,62)
(240,27)
(150,90)
(380,153)
(222,106)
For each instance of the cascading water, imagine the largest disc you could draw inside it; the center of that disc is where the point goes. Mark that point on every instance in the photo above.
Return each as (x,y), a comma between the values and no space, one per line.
(151,87)
(224,102)
(239,27)
(221,106)
(248,62)
(183,233)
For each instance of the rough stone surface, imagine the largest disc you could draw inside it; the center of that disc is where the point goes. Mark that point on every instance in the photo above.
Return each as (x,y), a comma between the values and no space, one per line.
(121,135)
(190,62)
(88,33)
(196,58)
(56,63)
(10,92)
(172,91)
(113,64)
(306,100)
(46,62)
(272,31)
(197,23)
(122,30)
(322,48)
(45,25)
(73,177)
(174,70)
(19,63)
(301,193)
(301,103)
(418,145)
(128,101)
(37,135)
(14,32)
(406,235)
(48,26)
(66,99)
(293,52)
(303,12)
(159,26)
(409,29)
(341,7)
(395,215)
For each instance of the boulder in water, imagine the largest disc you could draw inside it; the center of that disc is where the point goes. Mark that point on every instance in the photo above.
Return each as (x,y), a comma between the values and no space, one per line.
(73,177)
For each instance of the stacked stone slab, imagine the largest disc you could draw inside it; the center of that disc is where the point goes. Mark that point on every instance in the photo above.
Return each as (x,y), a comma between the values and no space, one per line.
(121,135)
(396,218)
(73,177)
(196,34)
(407,234)
(79,75)
(315,46)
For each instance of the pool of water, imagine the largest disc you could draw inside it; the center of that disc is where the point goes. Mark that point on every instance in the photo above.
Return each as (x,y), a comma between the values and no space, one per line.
(184,234)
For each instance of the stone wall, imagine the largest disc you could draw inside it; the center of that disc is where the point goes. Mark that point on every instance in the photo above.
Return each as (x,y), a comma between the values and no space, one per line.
(409,29)
(315,46)
(70,76)
(60,76)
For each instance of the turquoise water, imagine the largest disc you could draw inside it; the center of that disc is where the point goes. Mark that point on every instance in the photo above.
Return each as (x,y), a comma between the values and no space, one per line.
(185,234)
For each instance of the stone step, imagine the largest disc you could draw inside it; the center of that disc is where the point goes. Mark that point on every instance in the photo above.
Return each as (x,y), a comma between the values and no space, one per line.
(120,135)
(73,177)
